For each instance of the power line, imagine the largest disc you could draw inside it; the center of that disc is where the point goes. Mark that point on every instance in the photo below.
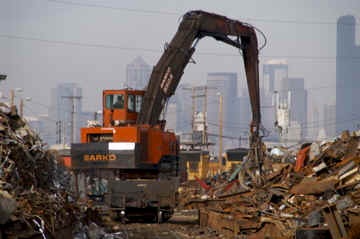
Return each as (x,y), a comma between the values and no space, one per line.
(224,136)
(170,13)
(298,22)
(47,118)
(41,104)
(230,127)
(115,8)
(105,46)
(75,43)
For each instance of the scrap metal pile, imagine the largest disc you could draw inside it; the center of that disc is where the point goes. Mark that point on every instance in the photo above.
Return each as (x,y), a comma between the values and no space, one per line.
(318,195)
(33,196)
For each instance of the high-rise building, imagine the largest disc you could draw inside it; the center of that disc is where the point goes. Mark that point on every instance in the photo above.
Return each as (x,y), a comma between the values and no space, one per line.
(137,74)
(298,99)
(329,120)
(183,99)
(347,76)
(44,127)
(292,100)
(245,115)
(314,126)
(224,83)
(274,72)
(66,108)
(171,116)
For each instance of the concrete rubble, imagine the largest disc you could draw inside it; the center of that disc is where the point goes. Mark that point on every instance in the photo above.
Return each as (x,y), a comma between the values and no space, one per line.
(34,201)
(311,192)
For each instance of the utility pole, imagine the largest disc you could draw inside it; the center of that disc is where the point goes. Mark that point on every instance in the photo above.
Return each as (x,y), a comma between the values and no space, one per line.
(200,92)
(220,129)
(72,98)
(64,133)
(58,131)
(12,97)
(193,116)
(21,106)
(205,134)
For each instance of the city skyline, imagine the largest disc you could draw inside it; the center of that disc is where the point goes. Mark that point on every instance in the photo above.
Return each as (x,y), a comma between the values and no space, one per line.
(96,57)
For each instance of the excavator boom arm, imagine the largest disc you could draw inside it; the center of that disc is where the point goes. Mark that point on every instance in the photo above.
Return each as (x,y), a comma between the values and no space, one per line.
(167,72)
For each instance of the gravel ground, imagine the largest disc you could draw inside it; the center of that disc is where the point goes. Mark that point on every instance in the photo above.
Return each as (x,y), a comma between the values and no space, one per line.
(182,225)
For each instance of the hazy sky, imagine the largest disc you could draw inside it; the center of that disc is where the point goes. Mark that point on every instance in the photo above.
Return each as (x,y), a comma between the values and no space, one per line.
(45,42)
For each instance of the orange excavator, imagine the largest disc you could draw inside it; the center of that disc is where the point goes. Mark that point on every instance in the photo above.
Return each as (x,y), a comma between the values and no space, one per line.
(131,149)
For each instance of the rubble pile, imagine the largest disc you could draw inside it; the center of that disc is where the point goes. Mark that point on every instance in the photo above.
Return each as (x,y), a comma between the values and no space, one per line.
(33,196)
(318,195)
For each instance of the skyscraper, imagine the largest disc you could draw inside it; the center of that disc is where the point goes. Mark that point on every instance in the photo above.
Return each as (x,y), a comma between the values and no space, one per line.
(66,108)
(314,127)
(183,108)
(137,74)
(294,96)
(347,76)
(329,120)
(171,116)
(274,72)
(298,99)
(224,83)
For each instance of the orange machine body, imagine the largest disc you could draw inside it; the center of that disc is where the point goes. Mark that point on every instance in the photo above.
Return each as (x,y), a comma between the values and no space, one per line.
(119,125)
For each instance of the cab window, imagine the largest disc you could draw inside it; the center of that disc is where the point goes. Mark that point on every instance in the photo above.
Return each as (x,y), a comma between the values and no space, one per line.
(138,103)
(131,102)
(115,101)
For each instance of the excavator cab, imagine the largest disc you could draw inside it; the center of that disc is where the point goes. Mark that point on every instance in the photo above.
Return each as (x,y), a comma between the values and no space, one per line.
(121,143)
(121,107)
(120,112)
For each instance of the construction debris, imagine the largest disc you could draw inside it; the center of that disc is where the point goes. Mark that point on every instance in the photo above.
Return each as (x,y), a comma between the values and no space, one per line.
(318,195)
(34,200)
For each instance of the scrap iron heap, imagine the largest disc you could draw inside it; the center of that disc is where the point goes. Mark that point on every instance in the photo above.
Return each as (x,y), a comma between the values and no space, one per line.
(33,187)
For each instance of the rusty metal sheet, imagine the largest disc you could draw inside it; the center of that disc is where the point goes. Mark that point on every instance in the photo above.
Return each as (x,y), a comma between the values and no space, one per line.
(314,186)
(335,223)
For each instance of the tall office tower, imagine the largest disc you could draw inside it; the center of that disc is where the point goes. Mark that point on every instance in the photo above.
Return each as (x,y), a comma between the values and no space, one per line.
(224,83)
(66,108)
(298,101)
(274,71)
(329,120)
(171,116)
(245,115)
(183,101)
(137,74)
(314,125)
(347,76)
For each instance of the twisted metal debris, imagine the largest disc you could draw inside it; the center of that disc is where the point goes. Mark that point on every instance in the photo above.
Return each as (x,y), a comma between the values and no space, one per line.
(33,187)
(317,196)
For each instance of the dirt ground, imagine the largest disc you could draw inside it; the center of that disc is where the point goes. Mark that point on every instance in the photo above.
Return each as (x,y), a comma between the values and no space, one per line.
(183,225)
